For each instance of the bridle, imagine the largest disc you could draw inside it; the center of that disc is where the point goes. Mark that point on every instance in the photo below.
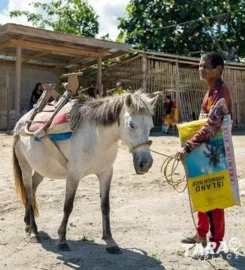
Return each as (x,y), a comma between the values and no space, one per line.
(149,143)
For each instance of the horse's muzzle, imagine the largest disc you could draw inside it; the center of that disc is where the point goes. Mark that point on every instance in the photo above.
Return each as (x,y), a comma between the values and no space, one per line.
(142,164)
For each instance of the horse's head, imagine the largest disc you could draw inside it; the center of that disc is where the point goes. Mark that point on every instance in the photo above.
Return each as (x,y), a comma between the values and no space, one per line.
(136,123)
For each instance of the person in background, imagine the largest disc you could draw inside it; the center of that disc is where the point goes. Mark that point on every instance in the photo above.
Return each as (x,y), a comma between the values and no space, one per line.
(119,89)
(92,92)
(36,94)
(170,114)
(210,68)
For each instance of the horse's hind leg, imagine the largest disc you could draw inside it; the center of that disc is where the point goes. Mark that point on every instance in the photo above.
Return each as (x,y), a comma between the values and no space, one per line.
(24,185)
(105,183)
(36,180)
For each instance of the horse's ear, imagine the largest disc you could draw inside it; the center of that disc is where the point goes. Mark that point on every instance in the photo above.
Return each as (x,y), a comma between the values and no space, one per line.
(153,101)
(129,102)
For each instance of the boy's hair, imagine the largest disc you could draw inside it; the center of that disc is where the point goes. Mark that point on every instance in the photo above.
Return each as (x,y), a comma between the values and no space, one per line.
(215,58)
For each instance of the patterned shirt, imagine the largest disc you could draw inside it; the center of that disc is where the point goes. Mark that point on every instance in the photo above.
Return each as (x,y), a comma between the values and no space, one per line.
(208,131)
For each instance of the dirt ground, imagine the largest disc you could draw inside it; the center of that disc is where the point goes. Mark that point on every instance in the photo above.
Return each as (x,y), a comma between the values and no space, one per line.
(148,219)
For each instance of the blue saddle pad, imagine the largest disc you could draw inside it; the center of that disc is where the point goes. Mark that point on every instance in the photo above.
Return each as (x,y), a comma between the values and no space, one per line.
(57,137)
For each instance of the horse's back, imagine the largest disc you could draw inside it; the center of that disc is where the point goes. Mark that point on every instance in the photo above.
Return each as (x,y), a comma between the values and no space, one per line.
(88,151)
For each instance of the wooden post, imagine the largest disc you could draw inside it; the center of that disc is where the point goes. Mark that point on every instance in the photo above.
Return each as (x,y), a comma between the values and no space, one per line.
(234,90)
(57,87)
(99,75)
(178,101)
(18,81)
(144,69)
(8,100)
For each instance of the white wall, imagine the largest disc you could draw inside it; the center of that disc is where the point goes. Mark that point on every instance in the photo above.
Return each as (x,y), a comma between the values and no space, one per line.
(29,78)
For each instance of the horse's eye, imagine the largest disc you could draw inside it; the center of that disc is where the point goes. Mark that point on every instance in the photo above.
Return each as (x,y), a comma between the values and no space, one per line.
(131,125)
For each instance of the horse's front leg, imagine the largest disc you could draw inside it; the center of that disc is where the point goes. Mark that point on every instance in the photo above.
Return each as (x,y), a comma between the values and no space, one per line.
(71,188)
(105,183)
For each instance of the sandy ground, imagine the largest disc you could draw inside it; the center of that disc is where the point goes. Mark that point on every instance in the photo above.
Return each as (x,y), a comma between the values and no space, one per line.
(148,219)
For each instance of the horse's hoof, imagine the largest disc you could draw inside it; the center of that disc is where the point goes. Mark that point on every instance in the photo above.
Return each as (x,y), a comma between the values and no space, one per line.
(63,247)
(27,229)
(34,238)
(114,250)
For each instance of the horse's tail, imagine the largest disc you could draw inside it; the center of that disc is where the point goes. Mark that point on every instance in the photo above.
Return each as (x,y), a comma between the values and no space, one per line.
(19,185)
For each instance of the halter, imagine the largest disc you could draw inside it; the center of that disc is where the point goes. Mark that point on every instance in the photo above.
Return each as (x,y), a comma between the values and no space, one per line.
(149,143)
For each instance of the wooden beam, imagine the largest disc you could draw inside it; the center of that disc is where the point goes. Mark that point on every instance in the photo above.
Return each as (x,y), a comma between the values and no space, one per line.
(82,65)
(4,29)
(34,57)
(72,62)
(177,83)
(4,44)
(54,49)
(236,68)
(21,37)
(173,60)
(18,81)
(51,61)
(171,56)
(144,70)
(8,101)
(57,87)
(94,62)
(26,65)
(51,35)
(182,59)
(72,46)
(123,62)
(37,66)
(117,54)
(104,50)
(26,59)
(99,75)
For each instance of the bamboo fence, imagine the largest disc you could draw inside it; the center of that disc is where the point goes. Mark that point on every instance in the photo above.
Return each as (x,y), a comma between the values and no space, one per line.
(6,117)
(176,77)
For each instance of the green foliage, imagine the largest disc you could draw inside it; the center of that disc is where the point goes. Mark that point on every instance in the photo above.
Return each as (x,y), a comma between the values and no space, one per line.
(106,37)
(66,16)
(186,27)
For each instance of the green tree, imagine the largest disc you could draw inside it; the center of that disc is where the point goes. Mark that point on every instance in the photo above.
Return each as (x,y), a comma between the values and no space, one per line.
(67,16)
(186,27)
(214,154)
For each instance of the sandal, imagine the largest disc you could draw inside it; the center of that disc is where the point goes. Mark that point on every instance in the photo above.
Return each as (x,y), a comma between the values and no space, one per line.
(189,240)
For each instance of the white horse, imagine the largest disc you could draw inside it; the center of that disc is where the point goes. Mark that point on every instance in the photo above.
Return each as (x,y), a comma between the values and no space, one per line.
(97,127)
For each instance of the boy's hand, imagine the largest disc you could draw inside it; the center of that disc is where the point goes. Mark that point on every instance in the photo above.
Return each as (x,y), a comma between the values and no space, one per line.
(181,153)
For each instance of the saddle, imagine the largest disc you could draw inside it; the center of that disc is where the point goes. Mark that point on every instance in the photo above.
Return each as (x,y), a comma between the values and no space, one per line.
(53,118)
(60,122)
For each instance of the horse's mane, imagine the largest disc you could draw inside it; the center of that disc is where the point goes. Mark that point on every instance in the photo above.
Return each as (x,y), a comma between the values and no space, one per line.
(106,111)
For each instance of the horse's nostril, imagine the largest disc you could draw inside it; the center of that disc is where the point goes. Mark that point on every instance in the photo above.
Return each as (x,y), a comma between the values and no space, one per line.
(142,164)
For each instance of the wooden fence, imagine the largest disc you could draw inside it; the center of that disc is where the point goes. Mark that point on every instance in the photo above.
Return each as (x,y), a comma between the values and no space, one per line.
(128,72)
(235,80)
(7,117)
(174,78)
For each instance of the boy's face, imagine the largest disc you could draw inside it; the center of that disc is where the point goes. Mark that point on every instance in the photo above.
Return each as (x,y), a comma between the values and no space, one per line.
(207,71)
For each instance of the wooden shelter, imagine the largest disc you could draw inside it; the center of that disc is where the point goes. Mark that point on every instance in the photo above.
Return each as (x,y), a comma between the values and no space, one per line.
(28,54)
(178,76)
(23,47)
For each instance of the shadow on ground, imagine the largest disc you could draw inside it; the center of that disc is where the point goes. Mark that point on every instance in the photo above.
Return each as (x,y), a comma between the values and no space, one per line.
(88,255)
(235,260)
